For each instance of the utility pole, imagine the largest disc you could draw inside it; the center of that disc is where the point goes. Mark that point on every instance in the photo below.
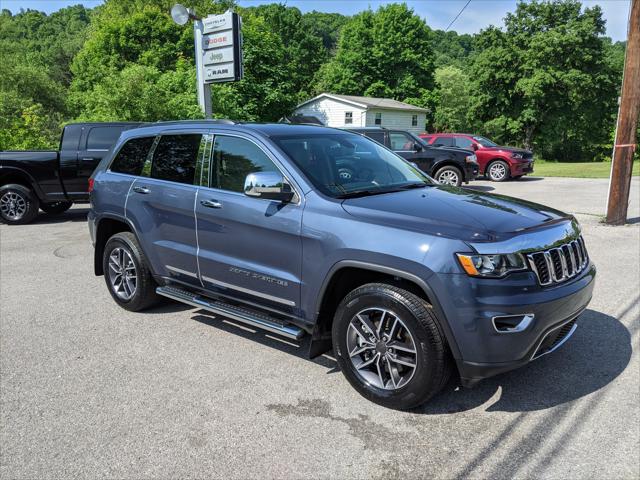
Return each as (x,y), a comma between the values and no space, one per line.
(625,141)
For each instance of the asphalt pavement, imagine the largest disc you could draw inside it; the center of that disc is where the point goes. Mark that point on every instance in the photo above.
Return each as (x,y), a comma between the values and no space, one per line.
(88,390)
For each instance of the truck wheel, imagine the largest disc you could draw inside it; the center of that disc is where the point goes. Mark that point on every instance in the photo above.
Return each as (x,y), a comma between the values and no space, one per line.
(389,346)
(18,204)
(127,274)
(449,175)
(498,171)
(56,207)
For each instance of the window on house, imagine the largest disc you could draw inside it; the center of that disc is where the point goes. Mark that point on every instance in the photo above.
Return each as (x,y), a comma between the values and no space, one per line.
(348,118)
(414,120)
(378,119)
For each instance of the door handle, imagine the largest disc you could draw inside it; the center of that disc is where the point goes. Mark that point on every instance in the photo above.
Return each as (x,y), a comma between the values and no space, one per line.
(211,203)
(143,190)
(88,159)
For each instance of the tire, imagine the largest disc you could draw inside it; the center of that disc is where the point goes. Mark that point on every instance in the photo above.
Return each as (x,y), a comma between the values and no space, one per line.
(122,252)
(449,175)
(55,208)
(407,387)
(498,171)
(18,204)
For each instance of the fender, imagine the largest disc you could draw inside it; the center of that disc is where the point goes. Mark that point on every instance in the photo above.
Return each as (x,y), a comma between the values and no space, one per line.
(435,303)
(4,170)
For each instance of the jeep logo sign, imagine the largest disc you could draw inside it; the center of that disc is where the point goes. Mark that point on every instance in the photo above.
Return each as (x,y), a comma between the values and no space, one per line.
(218,55)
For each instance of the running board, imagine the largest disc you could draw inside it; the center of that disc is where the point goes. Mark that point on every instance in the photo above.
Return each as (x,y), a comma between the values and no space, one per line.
(240,314)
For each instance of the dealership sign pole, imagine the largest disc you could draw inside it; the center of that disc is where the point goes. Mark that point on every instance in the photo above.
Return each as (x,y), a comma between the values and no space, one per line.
(218,48)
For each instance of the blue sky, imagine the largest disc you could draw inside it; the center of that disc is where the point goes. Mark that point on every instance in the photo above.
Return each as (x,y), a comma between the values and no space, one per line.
(438,13)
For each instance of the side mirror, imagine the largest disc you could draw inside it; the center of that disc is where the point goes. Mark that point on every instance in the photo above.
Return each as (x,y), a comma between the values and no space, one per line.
(417,147)
(474,146)
(268,185)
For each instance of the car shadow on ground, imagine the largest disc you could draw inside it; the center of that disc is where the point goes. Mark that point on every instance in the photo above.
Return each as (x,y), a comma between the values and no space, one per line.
(72,215)
(479,188)
(598,352)
(296,348)
(527,178)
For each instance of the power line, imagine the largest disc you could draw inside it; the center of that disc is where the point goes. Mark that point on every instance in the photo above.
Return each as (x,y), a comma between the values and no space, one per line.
(459,13)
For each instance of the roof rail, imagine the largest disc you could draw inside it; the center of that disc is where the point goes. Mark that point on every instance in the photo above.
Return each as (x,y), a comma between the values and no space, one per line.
(224,121)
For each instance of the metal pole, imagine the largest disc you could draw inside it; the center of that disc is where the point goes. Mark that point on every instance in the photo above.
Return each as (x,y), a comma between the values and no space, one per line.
(204,90)
(628,112)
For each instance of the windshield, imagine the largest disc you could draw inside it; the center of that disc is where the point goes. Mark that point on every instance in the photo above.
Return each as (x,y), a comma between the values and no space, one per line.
(343,165)
(485,142)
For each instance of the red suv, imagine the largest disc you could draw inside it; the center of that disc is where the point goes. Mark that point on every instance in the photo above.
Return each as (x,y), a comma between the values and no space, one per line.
(496,162)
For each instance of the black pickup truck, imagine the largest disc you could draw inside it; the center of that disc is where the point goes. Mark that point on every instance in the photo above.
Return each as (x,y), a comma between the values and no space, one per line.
(53,180)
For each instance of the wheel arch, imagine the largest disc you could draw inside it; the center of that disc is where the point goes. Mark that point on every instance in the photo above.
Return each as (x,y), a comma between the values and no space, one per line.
(12,175)
(449,163)
(106,227)
(347,275)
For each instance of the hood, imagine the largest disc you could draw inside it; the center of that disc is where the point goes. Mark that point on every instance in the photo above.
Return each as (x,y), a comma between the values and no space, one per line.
(455,213)
(507,149)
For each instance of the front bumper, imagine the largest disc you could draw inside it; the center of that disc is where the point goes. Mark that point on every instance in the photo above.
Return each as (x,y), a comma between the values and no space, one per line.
(522,168)
(483,350)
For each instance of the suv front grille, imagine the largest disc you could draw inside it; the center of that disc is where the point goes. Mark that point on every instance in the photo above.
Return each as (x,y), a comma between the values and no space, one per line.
(560,263)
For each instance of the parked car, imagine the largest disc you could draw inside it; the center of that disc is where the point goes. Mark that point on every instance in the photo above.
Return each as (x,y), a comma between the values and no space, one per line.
(407,280)
(53,180)
(496,162)
(449,166)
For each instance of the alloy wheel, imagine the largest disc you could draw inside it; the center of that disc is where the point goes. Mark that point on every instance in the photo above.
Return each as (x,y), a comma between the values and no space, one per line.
(381,349)
(122,273)
(448,177)
(497,171)
(13,205)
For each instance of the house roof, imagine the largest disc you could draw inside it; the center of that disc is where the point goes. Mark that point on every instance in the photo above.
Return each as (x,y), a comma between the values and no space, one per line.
(368,102)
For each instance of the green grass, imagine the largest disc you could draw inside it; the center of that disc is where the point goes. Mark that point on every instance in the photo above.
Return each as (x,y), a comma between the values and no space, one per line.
(577,170)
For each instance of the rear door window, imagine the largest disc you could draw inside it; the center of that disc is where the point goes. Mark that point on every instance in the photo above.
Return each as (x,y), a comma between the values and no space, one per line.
(377,136)
(175,158)
(131,157)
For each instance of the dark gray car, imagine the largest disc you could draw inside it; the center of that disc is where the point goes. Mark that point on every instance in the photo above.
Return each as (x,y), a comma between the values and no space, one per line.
(408,281)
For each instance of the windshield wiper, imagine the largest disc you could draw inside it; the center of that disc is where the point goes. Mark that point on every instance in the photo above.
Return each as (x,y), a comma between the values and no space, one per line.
(378,191)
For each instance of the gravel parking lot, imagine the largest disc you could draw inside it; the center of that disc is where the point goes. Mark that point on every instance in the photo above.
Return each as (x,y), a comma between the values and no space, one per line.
(90,390)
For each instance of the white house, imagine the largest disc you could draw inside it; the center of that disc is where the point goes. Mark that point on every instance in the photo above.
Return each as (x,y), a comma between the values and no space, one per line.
(352,111)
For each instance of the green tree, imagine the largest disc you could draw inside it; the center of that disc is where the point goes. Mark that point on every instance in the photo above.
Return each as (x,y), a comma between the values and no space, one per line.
(451,48)
(387,52)
(453,100)
(545,81)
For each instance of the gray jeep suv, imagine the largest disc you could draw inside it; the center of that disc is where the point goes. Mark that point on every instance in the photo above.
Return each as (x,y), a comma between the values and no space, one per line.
(407,280)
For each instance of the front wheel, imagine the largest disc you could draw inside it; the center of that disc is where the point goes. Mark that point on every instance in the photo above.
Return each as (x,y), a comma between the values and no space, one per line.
(18,204)
(449,175)
(498,171)
(389,346)
(126,273)
(55,208)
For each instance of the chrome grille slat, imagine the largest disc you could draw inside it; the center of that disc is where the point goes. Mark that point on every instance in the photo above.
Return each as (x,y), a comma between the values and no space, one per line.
(560,263)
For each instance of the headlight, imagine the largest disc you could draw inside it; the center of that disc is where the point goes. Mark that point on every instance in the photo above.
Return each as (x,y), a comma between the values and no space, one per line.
(516,155)
(471,159)
(492,266)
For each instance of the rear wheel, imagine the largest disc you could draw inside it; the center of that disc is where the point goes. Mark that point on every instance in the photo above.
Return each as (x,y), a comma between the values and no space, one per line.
(18,204)
(498,171)
(127,274)
(55,208)
(389,346)
(449,175)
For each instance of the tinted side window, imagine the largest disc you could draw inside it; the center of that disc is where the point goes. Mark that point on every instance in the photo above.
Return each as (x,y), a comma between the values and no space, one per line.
(175,158)
(233,159)
(463,142)
(131,157)
(443,142)
(102,138)
(377,136)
